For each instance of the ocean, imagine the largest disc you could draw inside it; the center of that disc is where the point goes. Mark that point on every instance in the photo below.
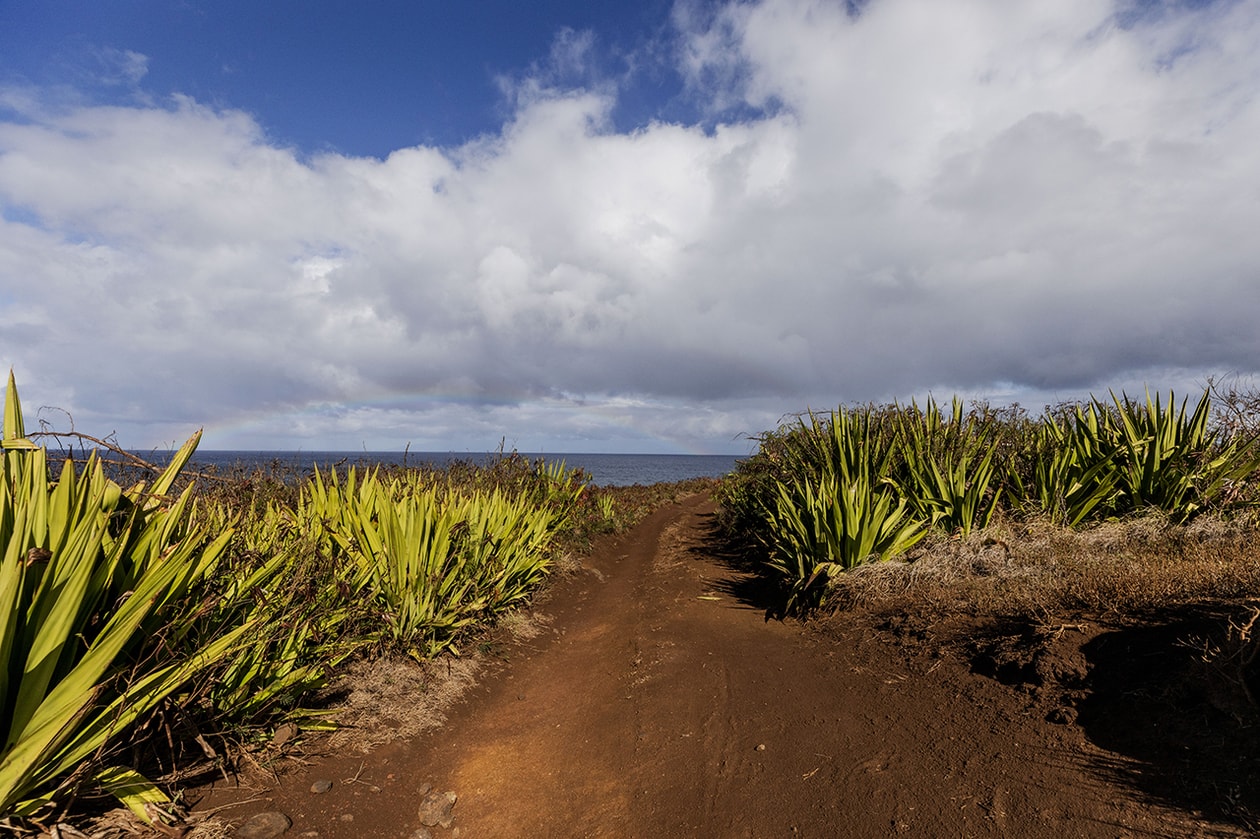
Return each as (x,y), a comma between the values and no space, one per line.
(604,469)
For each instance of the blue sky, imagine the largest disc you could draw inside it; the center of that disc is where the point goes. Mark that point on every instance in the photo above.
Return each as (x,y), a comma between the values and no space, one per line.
(658,226)
(361,78)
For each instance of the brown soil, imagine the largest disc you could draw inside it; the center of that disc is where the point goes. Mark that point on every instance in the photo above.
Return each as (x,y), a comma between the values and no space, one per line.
(661,701)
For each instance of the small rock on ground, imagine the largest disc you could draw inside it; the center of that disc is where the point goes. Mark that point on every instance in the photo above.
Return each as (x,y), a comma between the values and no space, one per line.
(285,733)
(436,809)
(322,785)
(266,825)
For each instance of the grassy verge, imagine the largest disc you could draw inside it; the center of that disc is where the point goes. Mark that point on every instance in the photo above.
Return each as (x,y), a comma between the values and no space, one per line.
(825,495)
(1040,571)
(150,617)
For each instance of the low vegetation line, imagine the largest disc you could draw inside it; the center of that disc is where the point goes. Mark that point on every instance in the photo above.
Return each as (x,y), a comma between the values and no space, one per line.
(825,494)
(140,617)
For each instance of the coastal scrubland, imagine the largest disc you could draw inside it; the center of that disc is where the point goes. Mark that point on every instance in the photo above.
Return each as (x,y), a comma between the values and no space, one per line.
(156,624)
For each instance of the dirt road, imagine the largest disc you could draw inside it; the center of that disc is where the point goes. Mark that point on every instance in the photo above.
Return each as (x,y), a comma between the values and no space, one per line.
(660,702)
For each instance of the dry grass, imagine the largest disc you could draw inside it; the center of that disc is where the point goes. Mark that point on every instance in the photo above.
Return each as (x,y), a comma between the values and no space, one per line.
(211,828)
(380,700)
(1114,570)
(389,699)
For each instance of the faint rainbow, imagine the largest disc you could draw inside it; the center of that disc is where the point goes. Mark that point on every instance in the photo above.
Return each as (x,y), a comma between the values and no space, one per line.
(265,424)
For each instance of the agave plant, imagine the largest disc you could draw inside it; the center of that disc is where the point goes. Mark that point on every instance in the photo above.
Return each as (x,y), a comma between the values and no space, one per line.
(1102,460)
(818,531)
(1171,461)
(92,578)
(435,560)
(275,577)
(1073,475)
(948,466)
(849,514)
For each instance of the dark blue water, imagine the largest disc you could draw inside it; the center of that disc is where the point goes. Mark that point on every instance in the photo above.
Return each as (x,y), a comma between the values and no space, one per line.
(604,469)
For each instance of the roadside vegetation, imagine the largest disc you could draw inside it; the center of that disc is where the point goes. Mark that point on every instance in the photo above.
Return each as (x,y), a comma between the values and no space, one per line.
(1102,559)
(826,495)
(149,615)
(154,622)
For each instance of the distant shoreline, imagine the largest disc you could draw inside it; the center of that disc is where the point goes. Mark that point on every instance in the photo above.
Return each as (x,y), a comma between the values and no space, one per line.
(605,469)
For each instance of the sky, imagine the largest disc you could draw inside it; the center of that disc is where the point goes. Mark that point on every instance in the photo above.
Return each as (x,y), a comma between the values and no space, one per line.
(620,227)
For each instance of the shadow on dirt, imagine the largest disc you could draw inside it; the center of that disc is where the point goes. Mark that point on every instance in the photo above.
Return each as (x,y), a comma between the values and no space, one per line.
(1169,696)
(746,583)
(1172,694)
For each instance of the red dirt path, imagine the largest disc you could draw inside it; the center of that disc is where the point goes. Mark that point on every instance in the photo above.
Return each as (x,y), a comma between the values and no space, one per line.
(661,703)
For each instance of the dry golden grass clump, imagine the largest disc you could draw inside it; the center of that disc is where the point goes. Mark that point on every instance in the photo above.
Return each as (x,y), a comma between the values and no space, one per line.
(1036,569)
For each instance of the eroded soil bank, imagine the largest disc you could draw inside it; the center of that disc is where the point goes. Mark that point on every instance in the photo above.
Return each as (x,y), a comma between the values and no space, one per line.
(659,701)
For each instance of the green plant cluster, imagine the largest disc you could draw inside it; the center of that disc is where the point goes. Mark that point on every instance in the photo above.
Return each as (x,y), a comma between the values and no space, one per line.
(98,588)
(824,494)
(435,559)
(226,608)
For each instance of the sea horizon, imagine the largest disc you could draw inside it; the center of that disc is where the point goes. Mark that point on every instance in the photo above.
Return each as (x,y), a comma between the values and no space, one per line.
(604,468)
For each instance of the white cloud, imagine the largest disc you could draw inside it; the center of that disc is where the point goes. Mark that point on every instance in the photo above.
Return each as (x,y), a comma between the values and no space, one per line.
(120,67)
(1019,199)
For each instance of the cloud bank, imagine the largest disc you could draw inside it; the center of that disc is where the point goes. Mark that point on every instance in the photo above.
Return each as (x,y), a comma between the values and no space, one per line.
(1005,200)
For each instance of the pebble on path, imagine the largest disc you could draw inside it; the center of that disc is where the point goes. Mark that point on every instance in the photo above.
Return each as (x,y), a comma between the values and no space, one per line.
(322,785)
(285,733)
(436,808)
(266,825)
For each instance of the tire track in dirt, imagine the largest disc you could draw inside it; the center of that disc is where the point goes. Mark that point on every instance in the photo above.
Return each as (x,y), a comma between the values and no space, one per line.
(660,704)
